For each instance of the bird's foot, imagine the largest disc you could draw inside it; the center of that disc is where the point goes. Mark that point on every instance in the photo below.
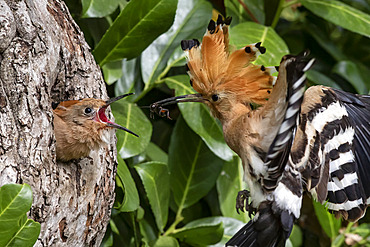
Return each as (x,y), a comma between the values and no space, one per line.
(242,197)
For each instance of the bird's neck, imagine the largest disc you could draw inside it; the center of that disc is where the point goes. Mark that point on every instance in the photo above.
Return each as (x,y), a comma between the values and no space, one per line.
(235,122)
(75,140)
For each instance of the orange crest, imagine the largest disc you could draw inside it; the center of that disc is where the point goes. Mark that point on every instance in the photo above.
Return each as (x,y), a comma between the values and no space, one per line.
(212,67)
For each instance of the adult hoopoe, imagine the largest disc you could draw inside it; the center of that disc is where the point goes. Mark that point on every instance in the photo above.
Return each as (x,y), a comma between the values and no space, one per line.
(290,141)
(80,126)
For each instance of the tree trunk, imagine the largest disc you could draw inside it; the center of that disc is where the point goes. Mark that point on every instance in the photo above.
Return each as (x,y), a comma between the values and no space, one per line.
(43,59)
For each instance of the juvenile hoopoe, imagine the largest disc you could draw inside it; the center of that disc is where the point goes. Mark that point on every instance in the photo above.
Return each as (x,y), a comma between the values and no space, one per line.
(290,141)
(80,126)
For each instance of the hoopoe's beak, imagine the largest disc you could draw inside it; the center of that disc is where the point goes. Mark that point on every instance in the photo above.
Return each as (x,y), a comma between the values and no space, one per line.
(104,119)
(157,107)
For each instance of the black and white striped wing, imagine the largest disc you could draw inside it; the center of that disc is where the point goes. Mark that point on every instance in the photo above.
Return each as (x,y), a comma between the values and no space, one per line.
(274,219)
(332,149)
(292,68)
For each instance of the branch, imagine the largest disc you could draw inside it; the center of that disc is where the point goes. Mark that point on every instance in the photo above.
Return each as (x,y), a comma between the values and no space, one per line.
(248,11)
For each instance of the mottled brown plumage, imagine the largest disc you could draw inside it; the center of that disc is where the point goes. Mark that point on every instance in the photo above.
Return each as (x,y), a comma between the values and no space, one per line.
(81,125)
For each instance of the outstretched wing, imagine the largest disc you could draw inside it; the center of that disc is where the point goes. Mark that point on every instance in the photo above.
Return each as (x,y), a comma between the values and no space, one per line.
(332,149)
(291,72)
(273,222)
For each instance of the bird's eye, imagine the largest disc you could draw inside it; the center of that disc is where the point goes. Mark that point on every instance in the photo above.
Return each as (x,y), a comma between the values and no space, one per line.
(215,97)
(88,110)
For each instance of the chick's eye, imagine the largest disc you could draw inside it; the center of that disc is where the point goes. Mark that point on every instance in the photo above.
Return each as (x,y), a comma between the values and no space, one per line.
(88,110)
(215,97)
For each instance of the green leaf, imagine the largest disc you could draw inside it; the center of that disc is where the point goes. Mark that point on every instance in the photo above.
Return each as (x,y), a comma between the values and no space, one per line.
(340,14)
(271,10)
(166,241)
(351,73)
(15,202)
(148,231)
(324,40)
(289,243)
(112,71)
(199,119)
(130,116)
(156,180)
(327,220)
(364,73)
(236,10)
(98,8)
(127,199)
(231,226)
(190,22)
(129,77)
(108,239)
(155,153)
(94,29)
(27,234)
(249,32)
(321,79)
(229,183)
(193,167)
(178,58)
(125,228)
(296,237)
(113,227)
(200,232)
(138,24)
(363,230)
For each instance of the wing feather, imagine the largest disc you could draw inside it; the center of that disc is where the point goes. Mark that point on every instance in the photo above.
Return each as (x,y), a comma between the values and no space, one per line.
(292,68)
(331,149)
(358,108)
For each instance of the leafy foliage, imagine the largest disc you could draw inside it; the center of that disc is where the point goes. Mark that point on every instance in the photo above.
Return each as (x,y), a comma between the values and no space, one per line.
(327,220)
(176,184)
(156,181)
(138,24)
(15,228)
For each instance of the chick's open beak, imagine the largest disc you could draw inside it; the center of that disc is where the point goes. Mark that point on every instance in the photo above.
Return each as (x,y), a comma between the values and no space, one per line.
(104,119)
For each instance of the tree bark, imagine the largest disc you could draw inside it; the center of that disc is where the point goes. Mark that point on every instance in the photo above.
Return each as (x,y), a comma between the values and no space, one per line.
(43,59)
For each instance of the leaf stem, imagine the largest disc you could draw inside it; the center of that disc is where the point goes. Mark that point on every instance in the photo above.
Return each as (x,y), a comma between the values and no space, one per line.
(277,14)
(248,11)
(178,219)
(136,237)
(147,89)
(169,66)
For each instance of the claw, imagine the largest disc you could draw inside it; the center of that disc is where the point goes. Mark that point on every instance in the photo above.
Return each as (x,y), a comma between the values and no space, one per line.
(237,210)
(242,196)
(251,210)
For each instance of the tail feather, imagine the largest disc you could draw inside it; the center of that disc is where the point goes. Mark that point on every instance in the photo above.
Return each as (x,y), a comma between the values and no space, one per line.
(270,227)
(246,236)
